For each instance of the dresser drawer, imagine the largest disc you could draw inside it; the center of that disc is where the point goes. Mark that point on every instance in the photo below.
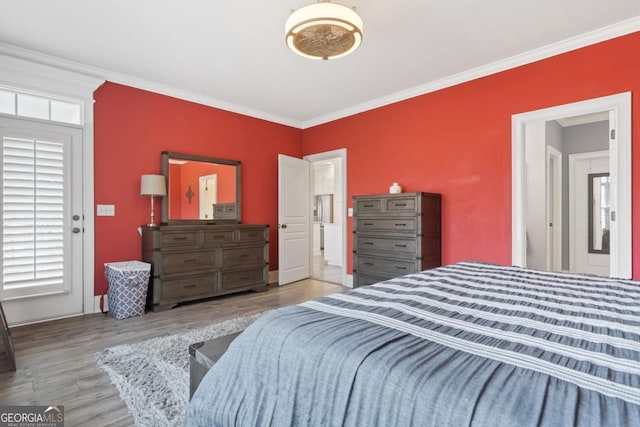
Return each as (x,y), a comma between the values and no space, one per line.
(179,238)
(217,236)
(383,267)
(185,288)
(188,261)
(401,204)
(383,224)
(234,257)
(252,235)
(403,246)
(243,278)
(364,206)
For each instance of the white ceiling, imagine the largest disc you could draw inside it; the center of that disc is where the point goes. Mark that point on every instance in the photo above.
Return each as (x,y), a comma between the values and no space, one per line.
(232,54)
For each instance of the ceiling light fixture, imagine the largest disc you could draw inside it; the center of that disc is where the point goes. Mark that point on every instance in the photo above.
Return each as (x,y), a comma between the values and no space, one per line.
(324,30)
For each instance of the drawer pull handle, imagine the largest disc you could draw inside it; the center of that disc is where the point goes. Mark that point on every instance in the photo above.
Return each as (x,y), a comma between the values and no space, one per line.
(400,204)
(401,225)
(401,246)
(219,236)
(368,263)
(368,243)
(189,286)
(244,255)
(367,223)
(191,260)
(400,267)
(179,238)
(368,206)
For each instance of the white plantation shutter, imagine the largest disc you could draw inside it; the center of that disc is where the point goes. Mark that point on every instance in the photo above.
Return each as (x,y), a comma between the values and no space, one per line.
(33,202)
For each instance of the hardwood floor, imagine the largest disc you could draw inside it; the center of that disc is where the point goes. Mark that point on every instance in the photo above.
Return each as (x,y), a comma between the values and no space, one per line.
(56,360)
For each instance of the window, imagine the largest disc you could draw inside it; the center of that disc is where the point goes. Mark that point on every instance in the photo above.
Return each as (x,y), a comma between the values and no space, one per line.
(40,107)
(32,212)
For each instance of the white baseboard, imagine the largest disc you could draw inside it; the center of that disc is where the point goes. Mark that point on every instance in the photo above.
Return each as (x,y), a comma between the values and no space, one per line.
(96,303)
(349,281)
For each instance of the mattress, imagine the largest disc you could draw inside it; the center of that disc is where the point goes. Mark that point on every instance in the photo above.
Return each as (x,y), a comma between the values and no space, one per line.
(468,344)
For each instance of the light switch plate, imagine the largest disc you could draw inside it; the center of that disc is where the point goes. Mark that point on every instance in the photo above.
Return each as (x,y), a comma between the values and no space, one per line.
(106,210)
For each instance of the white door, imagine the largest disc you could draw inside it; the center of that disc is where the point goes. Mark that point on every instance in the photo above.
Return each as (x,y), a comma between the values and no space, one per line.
(293,219)
(208,195)
(42,220)
(589,213)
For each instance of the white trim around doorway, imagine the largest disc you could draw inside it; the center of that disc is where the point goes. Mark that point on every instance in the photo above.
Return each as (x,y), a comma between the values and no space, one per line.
(347,280)
(620,106)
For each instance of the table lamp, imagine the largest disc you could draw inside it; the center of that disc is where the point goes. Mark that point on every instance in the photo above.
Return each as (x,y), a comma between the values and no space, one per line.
(152,186)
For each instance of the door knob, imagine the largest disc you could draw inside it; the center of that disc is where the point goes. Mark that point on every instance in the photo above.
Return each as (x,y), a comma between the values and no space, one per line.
(282,225)
(75,230)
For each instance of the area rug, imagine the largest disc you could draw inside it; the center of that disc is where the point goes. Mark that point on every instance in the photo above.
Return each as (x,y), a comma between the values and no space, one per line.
(152,376)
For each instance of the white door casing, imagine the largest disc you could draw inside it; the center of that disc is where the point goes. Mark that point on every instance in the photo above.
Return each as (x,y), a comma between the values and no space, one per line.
(580,166)
(38,300)
(47,79)
(554,209)
(340,213)
(294,219)
(619,108)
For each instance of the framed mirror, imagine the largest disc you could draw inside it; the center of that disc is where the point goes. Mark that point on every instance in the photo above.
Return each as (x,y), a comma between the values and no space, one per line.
(200,189)
(599,213)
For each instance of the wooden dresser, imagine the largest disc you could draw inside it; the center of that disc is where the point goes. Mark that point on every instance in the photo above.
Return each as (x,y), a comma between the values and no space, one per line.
(394,235)
(191,262)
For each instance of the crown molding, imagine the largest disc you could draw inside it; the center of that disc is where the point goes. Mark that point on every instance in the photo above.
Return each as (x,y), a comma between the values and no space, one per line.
(586,39)
(103,74)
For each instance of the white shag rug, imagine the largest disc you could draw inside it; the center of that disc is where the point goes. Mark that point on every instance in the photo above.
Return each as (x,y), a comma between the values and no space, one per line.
(152,376)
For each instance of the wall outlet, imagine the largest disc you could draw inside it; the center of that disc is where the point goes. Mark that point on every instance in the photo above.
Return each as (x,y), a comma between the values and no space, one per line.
(349,211)
(106,210)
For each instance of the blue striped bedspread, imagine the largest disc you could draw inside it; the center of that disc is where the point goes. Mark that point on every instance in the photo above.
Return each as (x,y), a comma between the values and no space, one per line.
(467,344)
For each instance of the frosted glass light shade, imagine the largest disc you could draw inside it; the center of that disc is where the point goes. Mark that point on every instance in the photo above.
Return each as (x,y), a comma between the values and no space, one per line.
(153,185)
(323,30)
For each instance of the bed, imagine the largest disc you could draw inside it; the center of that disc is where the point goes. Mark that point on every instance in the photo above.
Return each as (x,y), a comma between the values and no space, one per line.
(469,344)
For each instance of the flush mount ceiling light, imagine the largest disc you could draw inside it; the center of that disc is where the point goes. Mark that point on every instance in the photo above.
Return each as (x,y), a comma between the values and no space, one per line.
(323,30)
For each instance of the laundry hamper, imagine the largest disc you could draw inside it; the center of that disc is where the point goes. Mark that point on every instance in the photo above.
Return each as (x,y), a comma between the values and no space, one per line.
(128,283)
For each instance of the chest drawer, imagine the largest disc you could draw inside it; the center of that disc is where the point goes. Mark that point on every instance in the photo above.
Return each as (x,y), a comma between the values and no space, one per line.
(399,205)
(249,235)
(178,238)
(218,236)
(384,267)
(384,224)
(372,206)
(188,261)
(185,288)
(243,278)
(401,246)
(233,257)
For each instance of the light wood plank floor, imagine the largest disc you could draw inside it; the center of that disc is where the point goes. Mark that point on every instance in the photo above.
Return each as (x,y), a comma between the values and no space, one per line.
(56,360)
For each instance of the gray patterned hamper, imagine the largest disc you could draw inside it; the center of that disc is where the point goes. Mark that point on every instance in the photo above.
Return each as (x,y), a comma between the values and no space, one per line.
(128,282)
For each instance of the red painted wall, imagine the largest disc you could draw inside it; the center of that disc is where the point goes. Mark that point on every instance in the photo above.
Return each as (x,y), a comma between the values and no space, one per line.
(457,142)
(133,126)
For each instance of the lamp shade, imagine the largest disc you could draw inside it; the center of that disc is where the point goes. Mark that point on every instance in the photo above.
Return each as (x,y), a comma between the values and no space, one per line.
(153,185)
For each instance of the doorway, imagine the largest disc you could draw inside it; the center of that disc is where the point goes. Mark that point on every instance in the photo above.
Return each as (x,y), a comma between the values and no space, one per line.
(328,238)
(533,198)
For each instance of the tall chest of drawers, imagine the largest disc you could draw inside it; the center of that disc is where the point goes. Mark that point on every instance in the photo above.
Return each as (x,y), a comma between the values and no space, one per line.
(394,235)
(191,262)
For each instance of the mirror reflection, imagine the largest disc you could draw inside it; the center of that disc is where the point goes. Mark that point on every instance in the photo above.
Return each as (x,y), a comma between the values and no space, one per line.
(200,188)
(599,213)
